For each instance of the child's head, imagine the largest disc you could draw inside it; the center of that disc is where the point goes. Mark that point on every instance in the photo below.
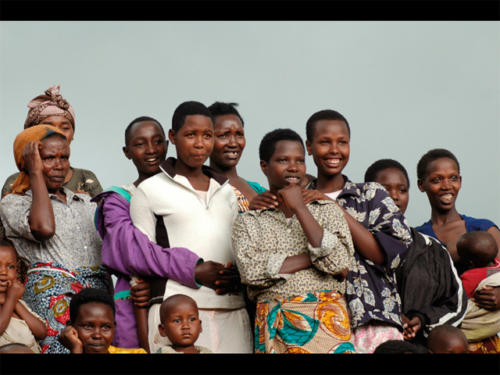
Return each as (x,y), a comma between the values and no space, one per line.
(92,314)
(229,135)
(393,177)
(145,145)
(438,173)
(8,265)
(477,249)
(179,320)
(399,347)
(282,158)
(447,339)
(15,348)
(192,133)
(328,137)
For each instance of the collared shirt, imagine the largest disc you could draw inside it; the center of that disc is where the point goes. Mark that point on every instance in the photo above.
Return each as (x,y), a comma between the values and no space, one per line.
(263,239)
(75,242)
(371,291)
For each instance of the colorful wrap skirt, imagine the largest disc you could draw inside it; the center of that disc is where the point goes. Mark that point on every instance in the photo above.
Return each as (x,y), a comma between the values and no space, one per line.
(317,322)
(48,291)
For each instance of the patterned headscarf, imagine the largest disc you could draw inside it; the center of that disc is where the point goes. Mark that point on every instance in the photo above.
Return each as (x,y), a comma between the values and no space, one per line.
(49,104)
(34,133)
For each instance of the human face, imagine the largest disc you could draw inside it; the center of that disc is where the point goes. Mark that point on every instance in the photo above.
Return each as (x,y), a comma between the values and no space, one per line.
(95,325)
(396,185)
(182,325)
(286,165)
(194,141)
(61,123)
(146,147)
(330,147)
(8,267)
(441,183)
(229,141)
(54,152)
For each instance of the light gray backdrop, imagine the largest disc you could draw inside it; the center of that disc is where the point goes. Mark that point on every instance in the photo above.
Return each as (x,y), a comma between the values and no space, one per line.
(405,87)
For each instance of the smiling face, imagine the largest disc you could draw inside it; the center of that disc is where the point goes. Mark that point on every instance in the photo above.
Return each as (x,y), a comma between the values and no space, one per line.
(194,141)
(441,183)
(394,181)
(61,123)
(330,147)
(95,325)
(229,141)
(181,325)
(54,152)
(286,165)
(8,267)
(146,147)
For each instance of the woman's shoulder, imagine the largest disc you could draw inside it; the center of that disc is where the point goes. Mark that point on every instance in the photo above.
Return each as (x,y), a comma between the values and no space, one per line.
(474,224)
(84,180)
(7,186)
(256,186)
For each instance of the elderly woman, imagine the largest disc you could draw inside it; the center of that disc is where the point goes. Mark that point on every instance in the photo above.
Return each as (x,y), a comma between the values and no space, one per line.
(52,109)
(52,229)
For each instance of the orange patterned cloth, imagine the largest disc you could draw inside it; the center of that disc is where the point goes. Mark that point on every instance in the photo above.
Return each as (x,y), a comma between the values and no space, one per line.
(317,322)
(33,134)
(491,345)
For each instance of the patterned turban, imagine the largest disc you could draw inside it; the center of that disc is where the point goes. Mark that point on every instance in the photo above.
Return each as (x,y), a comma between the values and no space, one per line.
(49,104)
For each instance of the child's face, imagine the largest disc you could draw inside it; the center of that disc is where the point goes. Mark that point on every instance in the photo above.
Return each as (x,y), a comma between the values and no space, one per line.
(8,267)
(442,183)
(182,325)
(147,148)
(61,123)
(396,185)
(330,147)
(55,160)
(95,324)
(194,141)
(286,165)
(229,141)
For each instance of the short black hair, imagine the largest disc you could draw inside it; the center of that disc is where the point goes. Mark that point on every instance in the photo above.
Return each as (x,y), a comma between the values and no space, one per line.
(479,247)
(430,156)
(221,109)
(399,346)
(135,121)
(88,295)
(268,143)
(5,242)
(172,301)
(382,164)
(440,334)
(326,114)
(187,109)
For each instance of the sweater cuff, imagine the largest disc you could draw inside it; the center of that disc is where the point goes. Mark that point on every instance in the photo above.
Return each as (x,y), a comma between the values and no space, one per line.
(198,285)
(274,264)
(328,242)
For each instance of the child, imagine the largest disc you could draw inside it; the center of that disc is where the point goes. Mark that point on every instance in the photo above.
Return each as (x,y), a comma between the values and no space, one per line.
(92,324)
(477,250)
(447,339)
(181,324)
(18,324)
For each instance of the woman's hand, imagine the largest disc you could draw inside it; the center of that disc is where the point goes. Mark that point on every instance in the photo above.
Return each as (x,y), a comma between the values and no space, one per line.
(140,293)
(487,298)
(291,195)
(313,195)
(69,338)
(32,160)
(263,201)
(216,276)
(410,326)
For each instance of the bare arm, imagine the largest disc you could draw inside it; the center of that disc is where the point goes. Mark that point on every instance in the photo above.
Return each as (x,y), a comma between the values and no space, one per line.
(296,263)
(36,326)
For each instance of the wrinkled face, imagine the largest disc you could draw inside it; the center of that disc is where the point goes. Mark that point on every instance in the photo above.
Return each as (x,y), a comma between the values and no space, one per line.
(286,165)
(146,147)
(194,141)
(396,185)
(8,267)
(229,141)
(61,123)
(330,146)
(95,325)
(54,152)
(182,325)
(441,183)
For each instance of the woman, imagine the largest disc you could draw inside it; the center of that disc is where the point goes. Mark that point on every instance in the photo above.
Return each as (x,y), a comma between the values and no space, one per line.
(52,109)
(228,146)
(52,229)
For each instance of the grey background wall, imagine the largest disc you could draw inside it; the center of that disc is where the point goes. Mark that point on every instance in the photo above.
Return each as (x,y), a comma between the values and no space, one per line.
(405,87)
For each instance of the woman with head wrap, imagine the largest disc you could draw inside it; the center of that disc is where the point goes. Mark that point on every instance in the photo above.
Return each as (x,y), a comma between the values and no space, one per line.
(52,229)
(52,109)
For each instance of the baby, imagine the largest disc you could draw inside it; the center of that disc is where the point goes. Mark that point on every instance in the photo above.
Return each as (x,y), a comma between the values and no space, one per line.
(18,324)
(477,251)
(92,324)
(181,324)
(447,339)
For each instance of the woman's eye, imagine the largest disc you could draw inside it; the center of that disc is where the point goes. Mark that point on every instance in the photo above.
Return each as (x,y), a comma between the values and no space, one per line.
(11,266)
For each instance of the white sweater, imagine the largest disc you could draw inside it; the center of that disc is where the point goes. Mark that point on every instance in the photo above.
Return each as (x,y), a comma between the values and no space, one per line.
(203,227)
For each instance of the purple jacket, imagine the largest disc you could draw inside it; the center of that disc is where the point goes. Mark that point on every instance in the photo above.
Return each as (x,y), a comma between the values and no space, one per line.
(129,252)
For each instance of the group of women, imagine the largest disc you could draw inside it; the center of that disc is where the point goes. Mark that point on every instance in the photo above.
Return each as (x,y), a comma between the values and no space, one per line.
(403,285)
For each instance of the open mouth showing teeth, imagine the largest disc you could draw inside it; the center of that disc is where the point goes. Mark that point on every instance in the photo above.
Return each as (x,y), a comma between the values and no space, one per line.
(333,162)
(151,160)
(446,198)
(292,179)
